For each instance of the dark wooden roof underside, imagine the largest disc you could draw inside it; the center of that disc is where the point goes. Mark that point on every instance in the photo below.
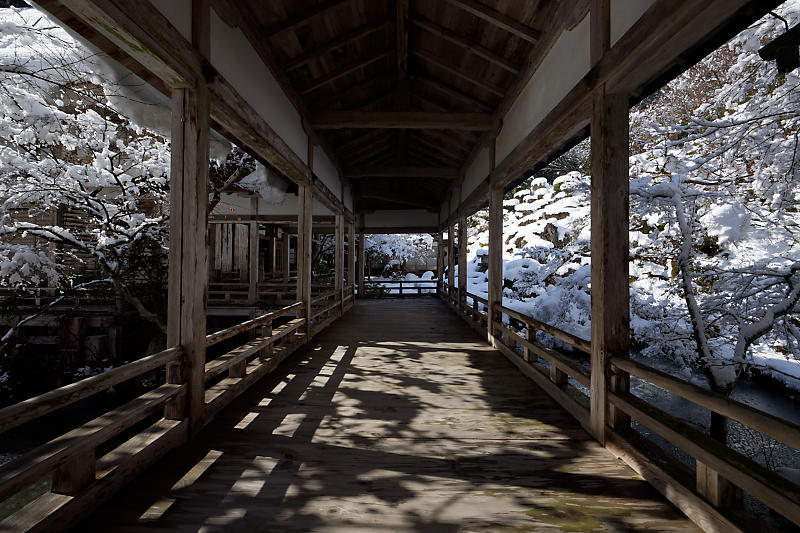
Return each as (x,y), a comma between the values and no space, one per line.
(447,58)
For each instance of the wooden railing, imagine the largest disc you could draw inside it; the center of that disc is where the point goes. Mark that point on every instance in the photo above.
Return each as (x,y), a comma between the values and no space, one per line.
(82,473)
(566,376)
(403,288)
(79,473)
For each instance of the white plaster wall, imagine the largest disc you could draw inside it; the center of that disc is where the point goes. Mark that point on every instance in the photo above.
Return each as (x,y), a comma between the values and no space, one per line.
(327,173)
(562,68)
(239,204)
(179,13)
(624,13)
(239,63)
(400,218)
(476,173)
(348,198)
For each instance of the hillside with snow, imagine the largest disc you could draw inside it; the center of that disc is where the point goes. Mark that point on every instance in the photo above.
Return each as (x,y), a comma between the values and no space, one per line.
(714,223)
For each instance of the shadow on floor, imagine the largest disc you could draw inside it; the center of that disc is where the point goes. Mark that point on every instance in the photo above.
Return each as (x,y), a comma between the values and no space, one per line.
(397,428)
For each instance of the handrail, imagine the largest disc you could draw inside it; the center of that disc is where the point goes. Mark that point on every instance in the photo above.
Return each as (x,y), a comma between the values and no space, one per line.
(568,338)
(771,488)
(761,421)
(552,357)
(26,410)
(323,297)
(219,336)
(484,301)
(402,281)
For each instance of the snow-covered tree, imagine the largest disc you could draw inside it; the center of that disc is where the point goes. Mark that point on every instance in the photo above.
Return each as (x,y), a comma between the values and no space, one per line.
(69,148)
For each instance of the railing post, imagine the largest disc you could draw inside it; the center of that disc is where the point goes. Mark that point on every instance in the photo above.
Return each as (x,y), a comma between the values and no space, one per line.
(717,490)
(286,251)
(304,235)
(188,269)
(77,473)
(462,263)
(530,336)
(362,254)
(351,258)
(268,351)
(609,237)
(451,262)
(338,264)
(252,275)
(495,258)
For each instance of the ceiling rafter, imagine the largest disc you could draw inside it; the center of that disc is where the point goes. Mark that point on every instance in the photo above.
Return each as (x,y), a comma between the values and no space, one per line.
(500,20)
(339,42)
(451,92)
(362,140)
(293,22)
(466,44)
(402,120)
(448,173)
(457,71)
(346,70)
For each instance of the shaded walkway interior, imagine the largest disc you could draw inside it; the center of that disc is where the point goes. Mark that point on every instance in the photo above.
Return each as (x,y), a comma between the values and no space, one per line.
(396,418)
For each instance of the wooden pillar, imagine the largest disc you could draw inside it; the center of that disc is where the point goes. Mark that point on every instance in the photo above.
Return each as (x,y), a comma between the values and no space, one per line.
(439,259)
(186,315)
(273,254)
(462,263)
(287,255)
(451,261)
(362,256)
(609,241)
(338,262)
(304,238)
(351,256)
(252,278)
(495,257)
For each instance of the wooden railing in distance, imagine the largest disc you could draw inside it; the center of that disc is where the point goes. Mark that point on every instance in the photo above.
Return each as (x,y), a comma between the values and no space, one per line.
(79,477)
(701,502)
(421,287)
(248,362)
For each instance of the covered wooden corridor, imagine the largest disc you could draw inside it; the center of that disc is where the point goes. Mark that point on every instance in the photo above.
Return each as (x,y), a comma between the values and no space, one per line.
(392,116)
(400,418)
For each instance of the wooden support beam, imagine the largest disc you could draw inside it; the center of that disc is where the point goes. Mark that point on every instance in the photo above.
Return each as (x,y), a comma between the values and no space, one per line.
(188,272)
(610,292)
(345,71)
(462,262)
(362,256)
(449,173)
(142,32)
(339,42)
(495,257)
(252,271)
(439,257)
(351,254)
(338,261)
(402,120)
(500,20)
(304,239)
(466,44)
(458,72)
(451,259)
(286,253)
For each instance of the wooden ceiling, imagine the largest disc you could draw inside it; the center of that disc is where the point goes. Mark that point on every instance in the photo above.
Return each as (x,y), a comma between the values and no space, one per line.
(400,92)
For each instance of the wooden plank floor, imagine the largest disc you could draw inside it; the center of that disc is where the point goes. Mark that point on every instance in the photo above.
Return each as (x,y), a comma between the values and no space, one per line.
(397,418)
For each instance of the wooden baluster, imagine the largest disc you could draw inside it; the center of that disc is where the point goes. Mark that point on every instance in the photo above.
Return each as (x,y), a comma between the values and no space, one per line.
(717,490)
(77,473)
(267,352)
